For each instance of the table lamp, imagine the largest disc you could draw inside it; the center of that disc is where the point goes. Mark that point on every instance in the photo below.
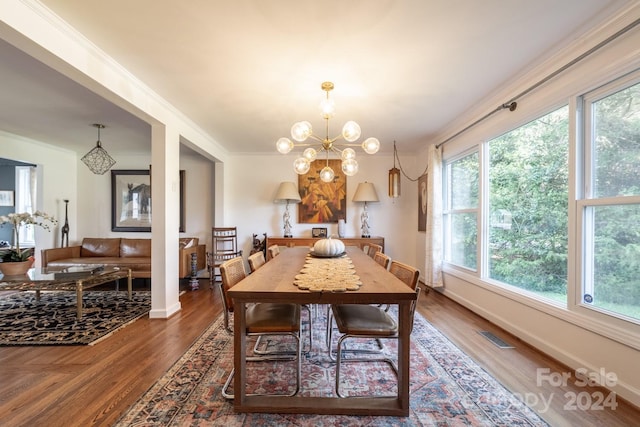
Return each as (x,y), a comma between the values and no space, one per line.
(365,192)
(287,192)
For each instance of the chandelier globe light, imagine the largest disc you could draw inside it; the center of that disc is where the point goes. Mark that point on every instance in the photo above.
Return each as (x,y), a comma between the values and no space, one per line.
(351,132)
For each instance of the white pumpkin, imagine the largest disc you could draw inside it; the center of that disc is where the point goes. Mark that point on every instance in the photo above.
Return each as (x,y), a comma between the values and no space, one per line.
(328,247)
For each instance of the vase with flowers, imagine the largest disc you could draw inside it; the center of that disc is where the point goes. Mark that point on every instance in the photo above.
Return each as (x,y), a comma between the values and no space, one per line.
(17,261)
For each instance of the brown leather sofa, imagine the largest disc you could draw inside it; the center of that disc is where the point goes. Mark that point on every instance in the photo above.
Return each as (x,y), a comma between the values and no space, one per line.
(134,254)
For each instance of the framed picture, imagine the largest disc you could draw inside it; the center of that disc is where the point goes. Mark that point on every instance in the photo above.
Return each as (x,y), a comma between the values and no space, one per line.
(422,203)
(131,200)
(319,232)
(322,202)
(6,198)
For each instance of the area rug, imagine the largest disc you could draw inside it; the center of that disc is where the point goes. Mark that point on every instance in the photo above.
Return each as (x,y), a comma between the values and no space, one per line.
(52,320)
(447,387)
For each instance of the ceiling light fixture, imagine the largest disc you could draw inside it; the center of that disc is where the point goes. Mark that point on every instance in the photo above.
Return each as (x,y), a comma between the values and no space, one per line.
(394,175)
(98,160)
(300,131)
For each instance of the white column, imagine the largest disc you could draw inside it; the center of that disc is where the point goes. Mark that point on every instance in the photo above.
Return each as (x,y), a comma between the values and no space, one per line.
(165,221)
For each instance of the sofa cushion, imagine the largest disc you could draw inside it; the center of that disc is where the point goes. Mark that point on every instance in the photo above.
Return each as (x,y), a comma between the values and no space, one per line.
(100,247)
(135,248)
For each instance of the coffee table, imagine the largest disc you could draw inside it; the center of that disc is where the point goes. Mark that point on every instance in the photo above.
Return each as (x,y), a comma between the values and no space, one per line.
(48,279)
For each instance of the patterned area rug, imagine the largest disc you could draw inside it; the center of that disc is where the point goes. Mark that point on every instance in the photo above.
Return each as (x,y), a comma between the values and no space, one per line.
(447,387)
(52,321)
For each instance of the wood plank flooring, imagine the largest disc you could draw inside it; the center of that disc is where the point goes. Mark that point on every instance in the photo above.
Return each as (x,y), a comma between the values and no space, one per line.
(94,385)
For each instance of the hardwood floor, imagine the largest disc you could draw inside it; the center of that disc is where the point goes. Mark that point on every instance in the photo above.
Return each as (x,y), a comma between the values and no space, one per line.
(94,385)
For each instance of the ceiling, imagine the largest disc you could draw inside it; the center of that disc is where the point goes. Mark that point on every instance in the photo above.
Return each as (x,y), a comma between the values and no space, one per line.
(245,70)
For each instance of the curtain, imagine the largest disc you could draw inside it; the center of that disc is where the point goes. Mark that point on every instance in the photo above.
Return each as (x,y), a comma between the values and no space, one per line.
(433,238)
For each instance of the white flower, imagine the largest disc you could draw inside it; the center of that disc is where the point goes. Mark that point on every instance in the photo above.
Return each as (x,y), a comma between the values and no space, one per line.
(18,220)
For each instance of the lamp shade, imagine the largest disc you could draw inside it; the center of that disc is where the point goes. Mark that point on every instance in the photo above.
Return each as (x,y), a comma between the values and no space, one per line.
(365,192)
(287,192)
(394,182)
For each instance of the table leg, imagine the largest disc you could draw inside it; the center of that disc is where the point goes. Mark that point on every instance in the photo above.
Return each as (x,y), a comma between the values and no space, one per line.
(404,355)
(239,346)
(129,280)
(79,298)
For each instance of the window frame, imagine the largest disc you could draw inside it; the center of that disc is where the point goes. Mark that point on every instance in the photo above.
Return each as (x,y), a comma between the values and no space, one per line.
(586,200)
(592,320)
(447,211)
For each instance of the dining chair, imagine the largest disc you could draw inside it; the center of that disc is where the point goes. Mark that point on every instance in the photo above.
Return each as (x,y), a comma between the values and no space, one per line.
(273,251)
(370,321)
(382,259)
(261,319)
(256,260)
(373,249)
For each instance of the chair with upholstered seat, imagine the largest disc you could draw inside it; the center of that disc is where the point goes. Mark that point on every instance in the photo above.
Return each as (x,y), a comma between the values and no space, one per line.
(382,259)
(261,319)
(370,321)
(273,251)
(256,260)
(373,249)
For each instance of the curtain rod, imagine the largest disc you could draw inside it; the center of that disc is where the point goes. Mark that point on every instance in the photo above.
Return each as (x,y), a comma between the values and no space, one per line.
(512,104)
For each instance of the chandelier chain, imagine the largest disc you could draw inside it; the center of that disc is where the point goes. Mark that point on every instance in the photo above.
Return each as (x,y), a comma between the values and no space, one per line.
(395,157)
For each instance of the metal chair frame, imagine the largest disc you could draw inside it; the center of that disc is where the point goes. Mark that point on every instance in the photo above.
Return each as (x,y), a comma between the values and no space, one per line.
(407,274)
(228,280)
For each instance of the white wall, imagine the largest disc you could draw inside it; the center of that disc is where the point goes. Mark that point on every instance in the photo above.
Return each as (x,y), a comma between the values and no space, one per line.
(64,176)
(576,338)
(252,182)
(57,181)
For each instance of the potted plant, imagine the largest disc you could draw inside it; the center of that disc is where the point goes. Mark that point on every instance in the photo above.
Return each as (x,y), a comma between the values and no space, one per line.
(16,261)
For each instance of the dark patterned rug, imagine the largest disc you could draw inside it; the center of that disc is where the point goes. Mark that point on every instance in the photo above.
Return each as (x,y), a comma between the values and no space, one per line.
(52,321)
(447,387)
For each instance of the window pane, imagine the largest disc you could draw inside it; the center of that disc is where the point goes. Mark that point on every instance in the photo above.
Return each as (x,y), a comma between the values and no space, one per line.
(615,285)
(616,132)
(464,181)
(461,226)
(528,196)
(463,238)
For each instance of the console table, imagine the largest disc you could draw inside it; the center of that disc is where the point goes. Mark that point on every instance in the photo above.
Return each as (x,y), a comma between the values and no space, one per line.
(291,242)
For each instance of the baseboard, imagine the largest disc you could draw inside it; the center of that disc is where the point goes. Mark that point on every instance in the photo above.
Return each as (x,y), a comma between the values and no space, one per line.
(165,314)
(571,361)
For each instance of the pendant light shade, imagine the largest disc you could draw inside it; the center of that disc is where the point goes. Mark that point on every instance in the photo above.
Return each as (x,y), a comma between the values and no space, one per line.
(98,160)
(394,176)
(394,182)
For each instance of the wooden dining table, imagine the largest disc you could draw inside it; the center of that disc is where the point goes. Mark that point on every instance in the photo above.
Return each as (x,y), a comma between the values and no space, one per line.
(273,282)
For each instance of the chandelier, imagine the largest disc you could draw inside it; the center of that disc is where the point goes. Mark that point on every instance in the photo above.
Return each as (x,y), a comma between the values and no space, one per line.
(301,131)
(98,160)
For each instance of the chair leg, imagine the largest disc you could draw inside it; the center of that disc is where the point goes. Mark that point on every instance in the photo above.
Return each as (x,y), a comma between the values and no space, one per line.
(340,360)
(329,338)
(264,352)
(297,357)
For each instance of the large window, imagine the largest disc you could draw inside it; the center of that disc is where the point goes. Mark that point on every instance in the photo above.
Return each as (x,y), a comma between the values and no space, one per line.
(25,201)
(528,199)
(461,211)
(610,206)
